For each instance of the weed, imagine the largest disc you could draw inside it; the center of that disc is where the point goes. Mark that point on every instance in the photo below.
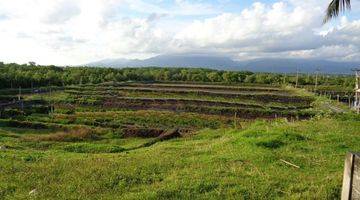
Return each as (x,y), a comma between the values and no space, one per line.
(93,148)
(271,144)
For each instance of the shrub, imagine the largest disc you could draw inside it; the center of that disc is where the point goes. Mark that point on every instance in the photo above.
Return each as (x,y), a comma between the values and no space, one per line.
(23,124)
(9,113)
(116,134)
(272,144)
(293,136)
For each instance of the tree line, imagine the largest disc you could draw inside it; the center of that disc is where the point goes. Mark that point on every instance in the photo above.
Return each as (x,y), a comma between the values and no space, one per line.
(14,75)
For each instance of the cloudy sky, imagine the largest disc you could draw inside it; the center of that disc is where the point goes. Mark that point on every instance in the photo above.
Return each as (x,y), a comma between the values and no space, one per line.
(72,32)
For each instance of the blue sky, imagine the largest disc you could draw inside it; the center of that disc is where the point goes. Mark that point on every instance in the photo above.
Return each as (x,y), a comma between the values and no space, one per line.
(72,32)
(216,7)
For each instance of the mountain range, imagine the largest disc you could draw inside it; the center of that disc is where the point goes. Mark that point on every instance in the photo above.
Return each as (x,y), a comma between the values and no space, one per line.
(275,65)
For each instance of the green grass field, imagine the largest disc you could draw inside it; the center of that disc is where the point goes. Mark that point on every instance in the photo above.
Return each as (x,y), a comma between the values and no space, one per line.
(87,151)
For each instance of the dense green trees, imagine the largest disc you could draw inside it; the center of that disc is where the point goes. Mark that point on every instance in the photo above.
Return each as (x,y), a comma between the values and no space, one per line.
(32,75)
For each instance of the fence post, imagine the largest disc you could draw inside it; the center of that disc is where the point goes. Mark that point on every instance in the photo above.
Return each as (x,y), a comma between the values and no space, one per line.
(351,179)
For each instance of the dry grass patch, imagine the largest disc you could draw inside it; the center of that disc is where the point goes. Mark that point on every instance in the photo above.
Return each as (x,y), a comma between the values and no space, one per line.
(82,134)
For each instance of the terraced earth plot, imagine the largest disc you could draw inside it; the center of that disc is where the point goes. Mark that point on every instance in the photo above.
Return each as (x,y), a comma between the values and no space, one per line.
(170,140)
(147,110)
(205,99)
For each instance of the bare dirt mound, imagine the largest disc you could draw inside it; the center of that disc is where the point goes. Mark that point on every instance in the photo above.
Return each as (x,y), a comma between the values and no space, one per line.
(142,132)
(166,135)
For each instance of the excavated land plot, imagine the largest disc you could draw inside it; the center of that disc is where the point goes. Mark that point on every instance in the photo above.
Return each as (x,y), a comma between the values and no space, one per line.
(240,101)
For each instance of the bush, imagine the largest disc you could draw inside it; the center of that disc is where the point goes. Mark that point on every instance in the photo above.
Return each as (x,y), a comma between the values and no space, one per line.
(272,144)
(348,116)
(23,124)
(8,113)
(116,134)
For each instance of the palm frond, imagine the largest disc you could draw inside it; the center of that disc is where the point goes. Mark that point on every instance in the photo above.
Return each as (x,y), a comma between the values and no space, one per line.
(335,8)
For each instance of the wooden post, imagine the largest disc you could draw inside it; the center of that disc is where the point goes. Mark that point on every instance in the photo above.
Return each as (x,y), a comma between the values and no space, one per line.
(349,97)
(235,120)
(284,79)
(50,102)
(357,91)
(351,180)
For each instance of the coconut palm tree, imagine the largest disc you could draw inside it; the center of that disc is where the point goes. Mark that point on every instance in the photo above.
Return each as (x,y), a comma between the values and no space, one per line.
(335,7)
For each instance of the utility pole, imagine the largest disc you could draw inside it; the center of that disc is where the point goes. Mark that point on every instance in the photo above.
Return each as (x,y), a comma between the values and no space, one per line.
(19,94)
(316,78)
(20,101)
(50,101)
(297,77)
(32,87)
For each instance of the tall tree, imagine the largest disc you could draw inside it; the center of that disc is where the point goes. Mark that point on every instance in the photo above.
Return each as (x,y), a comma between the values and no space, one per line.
(335,7)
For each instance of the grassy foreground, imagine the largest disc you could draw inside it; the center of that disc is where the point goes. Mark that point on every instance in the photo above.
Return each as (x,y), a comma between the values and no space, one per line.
(211,164)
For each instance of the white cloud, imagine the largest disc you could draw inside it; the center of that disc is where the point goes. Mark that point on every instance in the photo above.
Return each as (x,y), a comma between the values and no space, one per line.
(258,28)
(80,31)
(62,12)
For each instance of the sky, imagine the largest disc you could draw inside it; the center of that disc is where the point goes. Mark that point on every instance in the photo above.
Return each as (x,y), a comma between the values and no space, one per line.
(75,32)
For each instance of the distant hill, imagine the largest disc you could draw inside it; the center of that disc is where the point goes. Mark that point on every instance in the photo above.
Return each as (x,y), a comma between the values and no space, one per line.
(276,65)
(173,60)
(303,65)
